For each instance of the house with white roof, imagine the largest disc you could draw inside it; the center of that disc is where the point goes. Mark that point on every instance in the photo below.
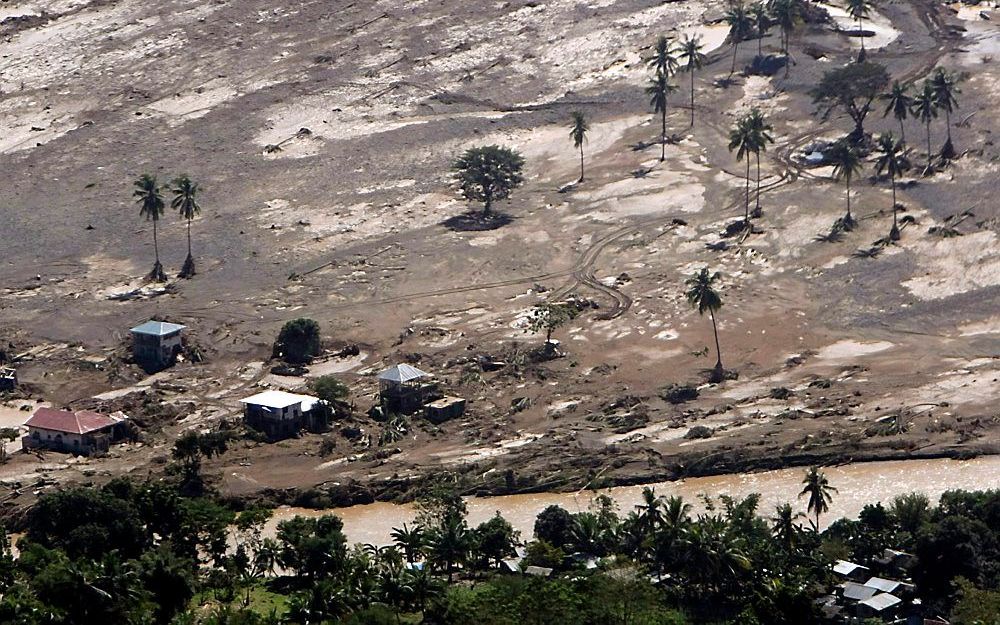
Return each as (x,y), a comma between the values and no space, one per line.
(403,388)
(279,414)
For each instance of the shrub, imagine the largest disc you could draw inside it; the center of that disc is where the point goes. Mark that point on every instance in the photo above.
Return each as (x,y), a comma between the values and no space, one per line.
(298,341)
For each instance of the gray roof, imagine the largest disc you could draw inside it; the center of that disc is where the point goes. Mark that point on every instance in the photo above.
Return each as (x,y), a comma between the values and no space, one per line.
(885,585)
(539,571)
(881,602)
(402,373)
(858,592)
(157,328)
(843,567)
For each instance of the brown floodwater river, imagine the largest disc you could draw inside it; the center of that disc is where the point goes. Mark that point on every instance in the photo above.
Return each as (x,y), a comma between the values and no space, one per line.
(857,484)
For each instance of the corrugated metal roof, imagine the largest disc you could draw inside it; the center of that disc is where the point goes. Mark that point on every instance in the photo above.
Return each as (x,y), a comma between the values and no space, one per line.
(858,592)
(885,585)
(280,399)
(402,373)
(881,602)
(157,328)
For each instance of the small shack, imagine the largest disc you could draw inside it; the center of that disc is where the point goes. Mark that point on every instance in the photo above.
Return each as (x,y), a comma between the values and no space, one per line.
(84,433)
(403,389)
(279,414)
(884,606)
(155,344)
(8,379)
(851,571)
(444,409)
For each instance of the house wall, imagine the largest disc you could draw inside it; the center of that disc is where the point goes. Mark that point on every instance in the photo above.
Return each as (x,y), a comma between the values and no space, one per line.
(67,441)
(156,349)
(275,424)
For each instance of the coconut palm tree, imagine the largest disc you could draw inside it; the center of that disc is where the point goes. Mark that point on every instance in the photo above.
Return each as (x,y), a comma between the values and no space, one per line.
(147,196)
(945,89)
(693,60)
(701,293)
(786,13)
(650,511)
(784,528)
(925,108)
(761,21)
(675,512)
(818,488)
(663,60)
(761,131)
(410,540)
(898,103)
(658,90)
(860,9)
(892,160)
(185,202)
(846,163)
(740,27)
(743,141)
(578,133)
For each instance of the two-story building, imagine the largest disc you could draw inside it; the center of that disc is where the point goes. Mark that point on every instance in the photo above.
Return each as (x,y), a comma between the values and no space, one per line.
(279,414)
(82,432)
(155,344)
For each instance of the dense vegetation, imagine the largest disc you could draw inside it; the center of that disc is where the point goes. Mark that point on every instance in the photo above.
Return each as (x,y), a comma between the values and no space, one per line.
(144,553)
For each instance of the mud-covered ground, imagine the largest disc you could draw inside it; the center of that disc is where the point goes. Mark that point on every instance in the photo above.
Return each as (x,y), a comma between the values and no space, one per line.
(322,135)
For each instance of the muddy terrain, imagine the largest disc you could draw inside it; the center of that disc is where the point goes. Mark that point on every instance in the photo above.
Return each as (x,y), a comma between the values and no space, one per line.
(322,133)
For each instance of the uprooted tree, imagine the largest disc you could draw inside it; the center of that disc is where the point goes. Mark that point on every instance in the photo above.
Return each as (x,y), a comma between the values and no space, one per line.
(298,341)
(852,88)
(488,173)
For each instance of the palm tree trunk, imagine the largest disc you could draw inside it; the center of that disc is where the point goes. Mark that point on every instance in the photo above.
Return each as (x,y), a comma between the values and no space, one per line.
(581,162)
(902,130)
(692,98)
(760,42)
(189,238)
(929,156)
(736,46)
(849,217)
(718,350)
(663,133)
(947,121)
(746,212)
(757,194)
(156,246)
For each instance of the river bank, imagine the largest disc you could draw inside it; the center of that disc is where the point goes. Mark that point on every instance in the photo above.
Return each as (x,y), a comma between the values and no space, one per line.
(858,484)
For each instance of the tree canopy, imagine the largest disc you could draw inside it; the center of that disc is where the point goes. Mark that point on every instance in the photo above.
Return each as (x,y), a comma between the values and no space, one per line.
(488,174)
(852,88)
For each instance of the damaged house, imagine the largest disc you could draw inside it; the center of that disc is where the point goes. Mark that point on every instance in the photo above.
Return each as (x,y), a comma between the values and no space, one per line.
(84,432)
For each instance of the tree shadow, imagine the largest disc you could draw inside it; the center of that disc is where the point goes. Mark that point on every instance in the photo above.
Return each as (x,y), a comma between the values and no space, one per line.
(477,221)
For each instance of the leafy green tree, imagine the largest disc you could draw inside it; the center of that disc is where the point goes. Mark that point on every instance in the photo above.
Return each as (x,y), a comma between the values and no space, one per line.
(740,27)
(488,174)
(449,543)
(550,317)
(298,341)
(743,140)
(846,164)
(925,108)
(330,389)
(911,511)
(892,160)
(186,202)
(171,580)
(975,606)
(712,557)
(852,88)
(192,447)
(945,89)
(147,195)
(553,525)
(701,294)
(545,554)
(496,539)
(578,133)
(314,548)
(7,434)
(819,491)
(898,103)
(691,54)
(658,90)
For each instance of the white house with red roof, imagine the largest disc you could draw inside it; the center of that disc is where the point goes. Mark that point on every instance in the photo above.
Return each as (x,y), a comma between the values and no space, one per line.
(82,432)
